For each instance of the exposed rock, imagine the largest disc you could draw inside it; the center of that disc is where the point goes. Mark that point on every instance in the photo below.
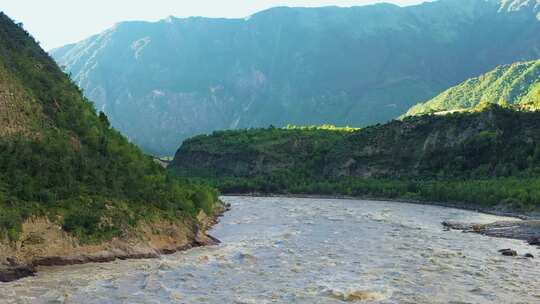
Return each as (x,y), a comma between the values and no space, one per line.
(11,261)
(529,255)
(12,273)
(456,225)
(508,252)
(356,295)
(61,249)
(520,230)
(212,240)
(534,241)
(98,258)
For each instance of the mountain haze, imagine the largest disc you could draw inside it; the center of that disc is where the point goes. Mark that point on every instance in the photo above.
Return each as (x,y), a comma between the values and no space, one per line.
(165,81)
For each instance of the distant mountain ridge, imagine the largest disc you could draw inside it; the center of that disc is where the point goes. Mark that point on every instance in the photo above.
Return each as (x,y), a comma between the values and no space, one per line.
(165,81)
(516,85)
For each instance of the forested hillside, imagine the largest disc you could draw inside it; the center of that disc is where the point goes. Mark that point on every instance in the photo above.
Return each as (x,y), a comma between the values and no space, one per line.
(485,158)
(61,161)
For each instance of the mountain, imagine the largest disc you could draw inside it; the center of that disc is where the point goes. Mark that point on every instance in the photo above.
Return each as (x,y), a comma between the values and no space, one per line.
(165,81)
(516,85)
(72,189)
(485,158)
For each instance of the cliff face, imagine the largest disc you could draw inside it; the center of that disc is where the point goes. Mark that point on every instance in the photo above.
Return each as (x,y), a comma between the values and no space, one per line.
(166,81)
(429,146)
(493,142)
(255,152)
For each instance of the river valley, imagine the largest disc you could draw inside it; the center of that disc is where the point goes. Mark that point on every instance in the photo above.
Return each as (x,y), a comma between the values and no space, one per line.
(296,250)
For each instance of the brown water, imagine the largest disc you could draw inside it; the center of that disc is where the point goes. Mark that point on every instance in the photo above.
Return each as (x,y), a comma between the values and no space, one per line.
(290,250)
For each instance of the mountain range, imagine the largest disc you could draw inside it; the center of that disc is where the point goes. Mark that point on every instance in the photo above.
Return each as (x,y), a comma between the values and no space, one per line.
(162,82)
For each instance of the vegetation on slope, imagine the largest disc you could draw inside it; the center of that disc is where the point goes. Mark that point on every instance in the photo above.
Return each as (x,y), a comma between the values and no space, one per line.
(253,152)
(516,85)
(61,160)
(484,159)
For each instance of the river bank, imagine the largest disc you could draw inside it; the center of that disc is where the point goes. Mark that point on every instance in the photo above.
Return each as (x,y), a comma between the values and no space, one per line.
(43,244)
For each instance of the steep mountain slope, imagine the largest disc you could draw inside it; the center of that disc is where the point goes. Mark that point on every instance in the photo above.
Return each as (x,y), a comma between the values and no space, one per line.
(517,85)
(165,81)
(69,184)
(486,157)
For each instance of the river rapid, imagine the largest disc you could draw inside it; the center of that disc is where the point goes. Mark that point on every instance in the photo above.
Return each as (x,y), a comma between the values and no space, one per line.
(293,250)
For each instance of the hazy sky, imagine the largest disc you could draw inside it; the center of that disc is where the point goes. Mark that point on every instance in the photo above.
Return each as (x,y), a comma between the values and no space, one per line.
(58,22)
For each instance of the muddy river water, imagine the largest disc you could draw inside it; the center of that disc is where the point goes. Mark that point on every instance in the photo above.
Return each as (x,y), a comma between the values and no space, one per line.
(293,250)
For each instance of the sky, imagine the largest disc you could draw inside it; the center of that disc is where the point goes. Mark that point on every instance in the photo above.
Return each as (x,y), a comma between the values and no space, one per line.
(55,23)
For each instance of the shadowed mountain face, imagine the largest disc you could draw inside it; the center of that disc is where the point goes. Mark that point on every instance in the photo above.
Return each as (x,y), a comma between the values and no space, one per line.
(162,82)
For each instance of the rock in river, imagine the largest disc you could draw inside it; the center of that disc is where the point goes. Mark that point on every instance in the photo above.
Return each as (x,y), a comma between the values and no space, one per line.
(508,252)
(534,241)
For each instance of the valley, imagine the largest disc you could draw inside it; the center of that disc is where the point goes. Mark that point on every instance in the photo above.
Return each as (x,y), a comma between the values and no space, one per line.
(382,153)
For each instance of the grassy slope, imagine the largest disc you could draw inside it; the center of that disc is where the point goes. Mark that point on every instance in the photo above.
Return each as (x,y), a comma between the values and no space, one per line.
(59,159)
(517,84)
(486,158)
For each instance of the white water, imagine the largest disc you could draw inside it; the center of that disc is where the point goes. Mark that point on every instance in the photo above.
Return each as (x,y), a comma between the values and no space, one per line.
(289,250)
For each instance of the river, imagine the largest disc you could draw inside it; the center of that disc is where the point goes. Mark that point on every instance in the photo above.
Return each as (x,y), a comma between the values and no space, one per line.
(293,250)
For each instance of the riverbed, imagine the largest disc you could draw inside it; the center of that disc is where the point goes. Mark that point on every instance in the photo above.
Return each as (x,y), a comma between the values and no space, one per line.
(299,250)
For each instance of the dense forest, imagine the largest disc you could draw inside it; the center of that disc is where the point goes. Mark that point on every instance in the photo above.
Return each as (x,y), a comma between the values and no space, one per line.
(488,158)
(59,159)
